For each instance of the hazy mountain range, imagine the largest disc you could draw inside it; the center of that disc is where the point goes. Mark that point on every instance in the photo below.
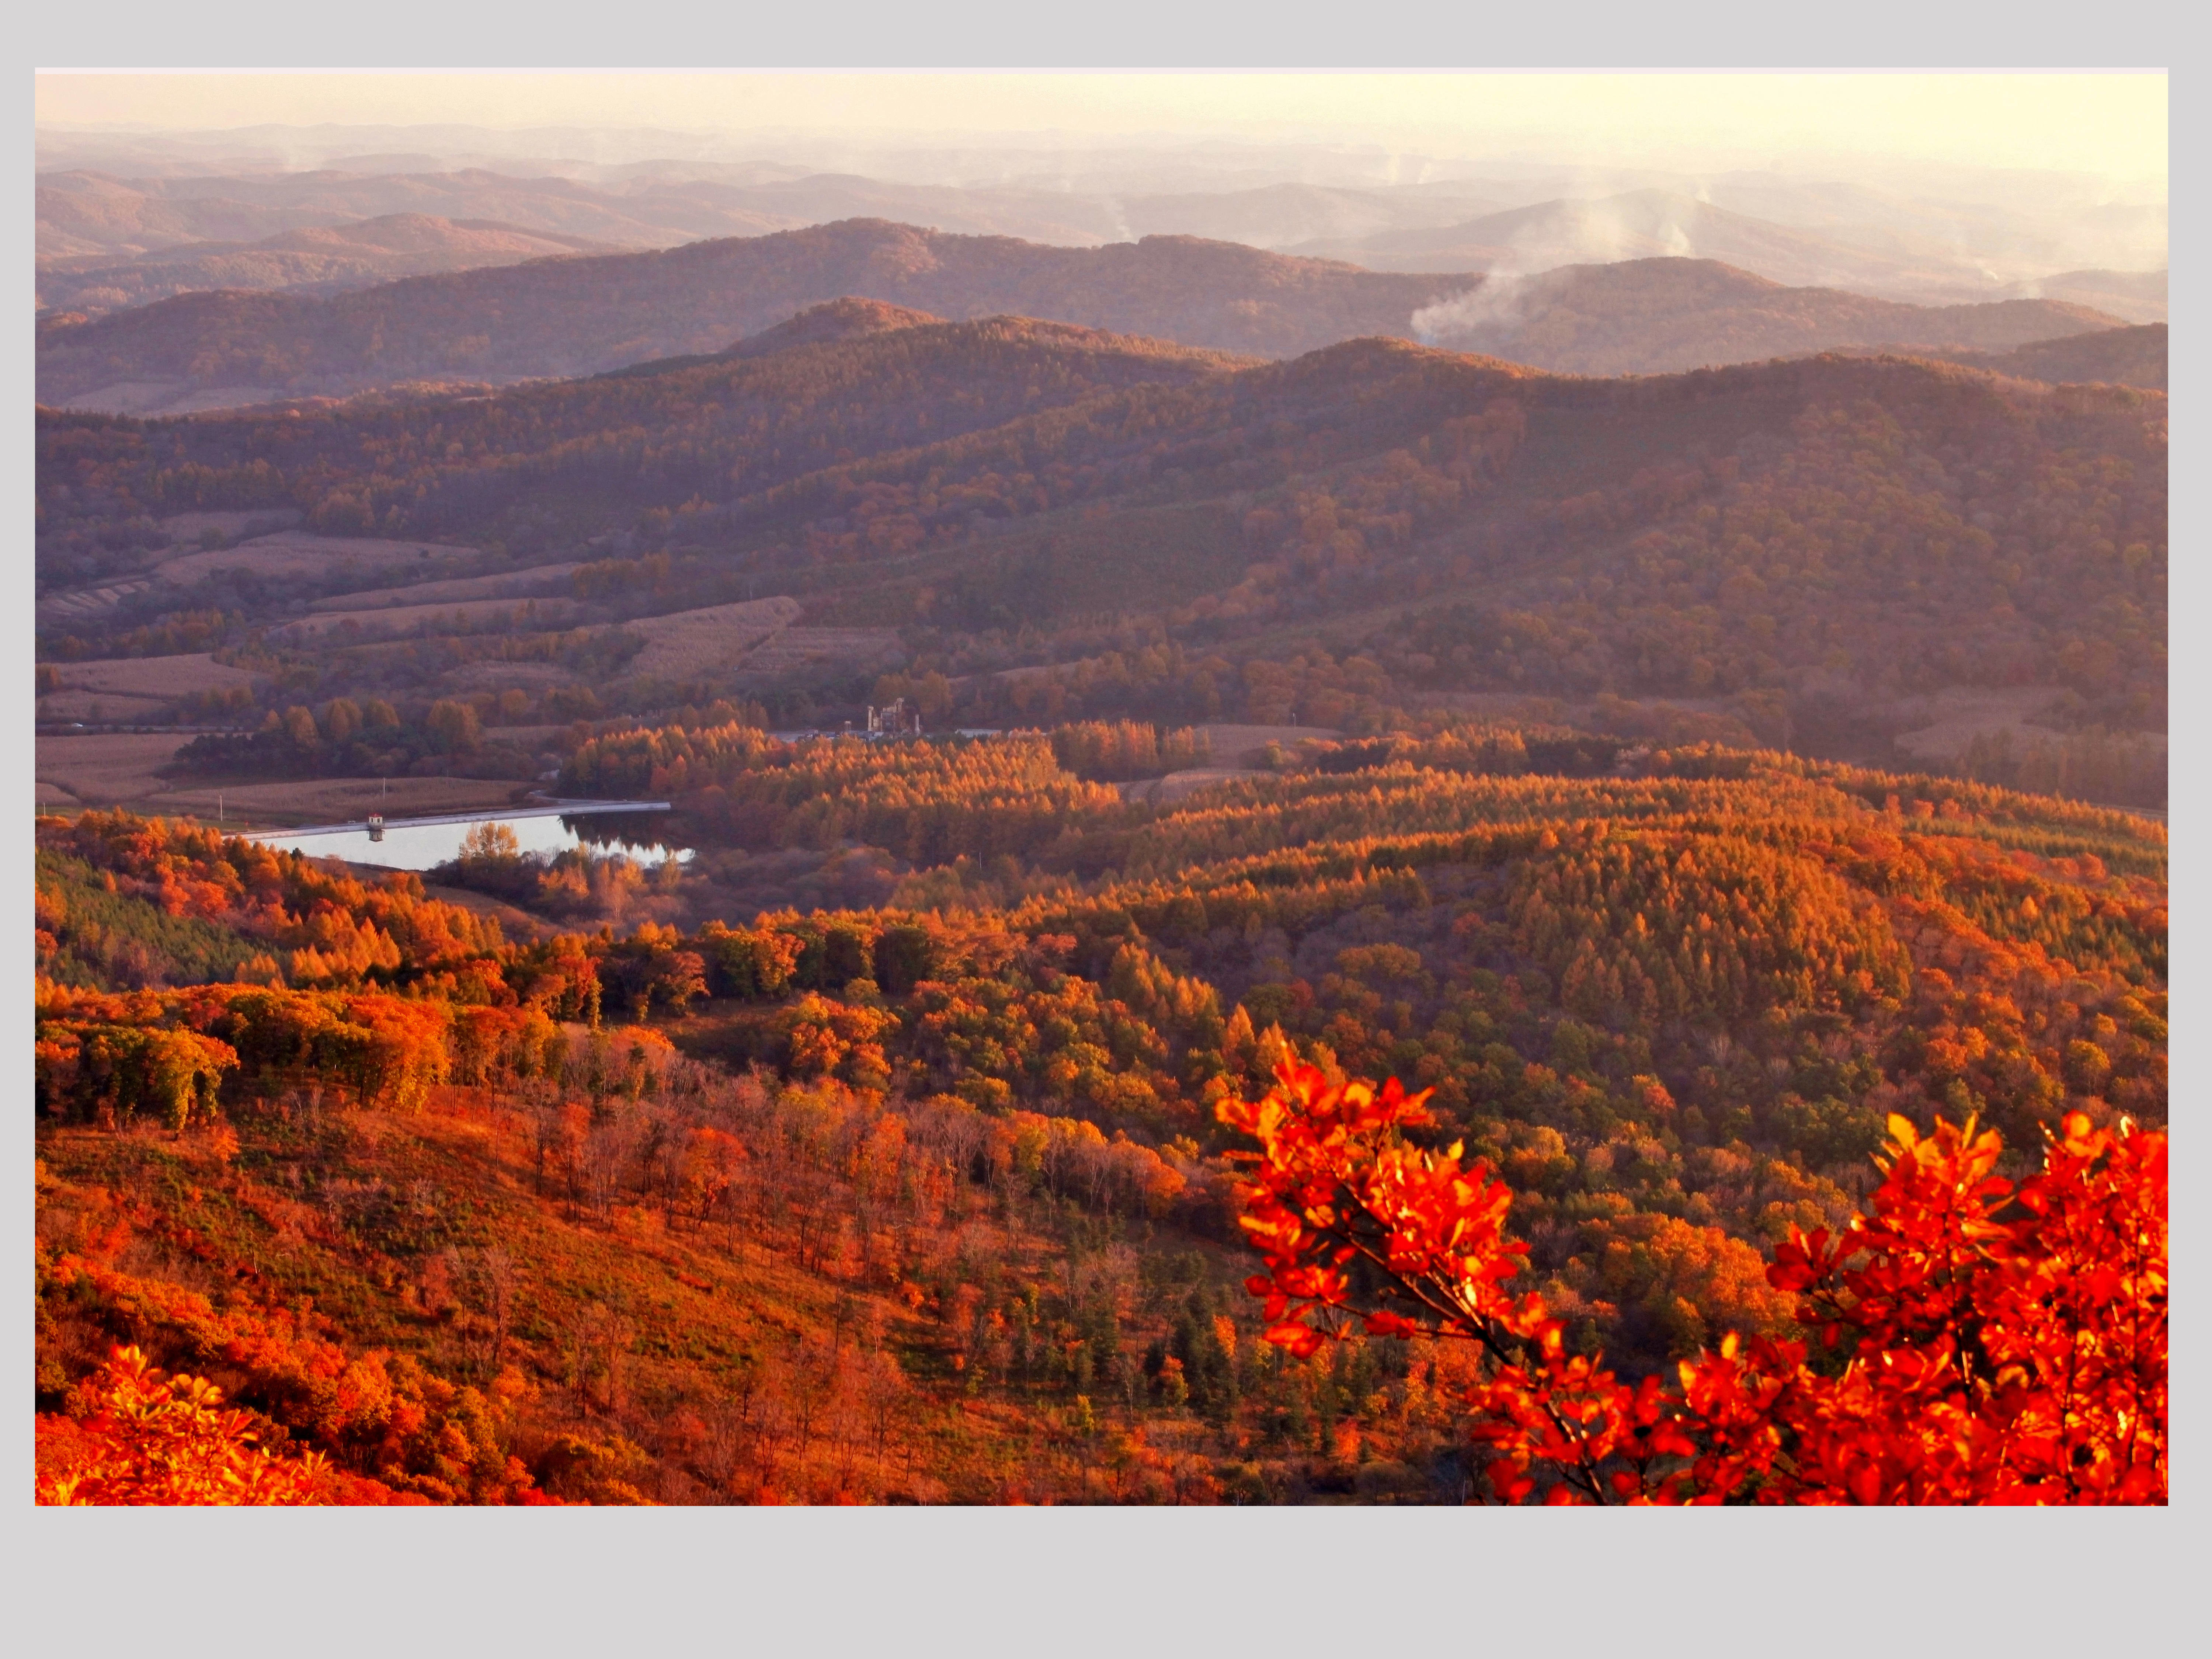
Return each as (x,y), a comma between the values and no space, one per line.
(318,259)
(180,271)
(579,315)
(1927,238)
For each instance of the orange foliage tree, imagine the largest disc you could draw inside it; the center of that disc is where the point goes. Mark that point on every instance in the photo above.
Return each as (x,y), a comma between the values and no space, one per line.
(1975,1340)
(144,1438)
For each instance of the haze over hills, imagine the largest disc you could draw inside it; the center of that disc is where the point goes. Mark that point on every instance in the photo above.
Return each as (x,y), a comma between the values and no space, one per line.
(1649,224)
(582,316)
(2021,224)
(1923,236)
(318,259)
(1281,216)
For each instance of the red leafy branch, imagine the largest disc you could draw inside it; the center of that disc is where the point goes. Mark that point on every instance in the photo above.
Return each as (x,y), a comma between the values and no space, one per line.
(1999,1345)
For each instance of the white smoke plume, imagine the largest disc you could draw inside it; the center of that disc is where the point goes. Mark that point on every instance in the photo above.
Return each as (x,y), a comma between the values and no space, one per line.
(1495,306)
(1589,232)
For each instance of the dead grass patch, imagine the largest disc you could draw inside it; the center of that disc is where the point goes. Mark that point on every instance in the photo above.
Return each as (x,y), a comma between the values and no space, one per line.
(1956,715)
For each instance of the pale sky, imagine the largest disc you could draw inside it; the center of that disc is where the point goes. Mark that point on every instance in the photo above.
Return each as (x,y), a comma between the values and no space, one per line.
(2103,122)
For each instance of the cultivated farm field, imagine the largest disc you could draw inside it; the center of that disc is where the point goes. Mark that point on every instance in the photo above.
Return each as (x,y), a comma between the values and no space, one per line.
(841,647)
(297,553)
(467,614)
(538,578)
(695,642)
(151,676)
(95,708)
(108,769)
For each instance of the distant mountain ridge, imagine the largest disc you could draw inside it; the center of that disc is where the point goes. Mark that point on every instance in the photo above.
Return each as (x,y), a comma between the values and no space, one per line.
(84,214)
(106,204)
(579,316)
(549,319)
(307,259)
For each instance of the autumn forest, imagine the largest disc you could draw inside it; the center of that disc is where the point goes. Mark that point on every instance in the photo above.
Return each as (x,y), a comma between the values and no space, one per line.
(1183,898)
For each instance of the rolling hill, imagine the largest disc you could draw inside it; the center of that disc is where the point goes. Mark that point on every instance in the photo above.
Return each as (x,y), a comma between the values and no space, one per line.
(2112,357)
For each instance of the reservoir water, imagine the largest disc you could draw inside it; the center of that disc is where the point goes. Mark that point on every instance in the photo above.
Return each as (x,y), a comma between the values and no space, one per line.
(609,829)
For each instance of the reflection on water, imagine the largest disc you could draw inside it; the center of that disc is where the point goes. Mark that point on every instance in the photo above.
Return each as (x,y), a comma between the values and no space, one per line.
(424,843)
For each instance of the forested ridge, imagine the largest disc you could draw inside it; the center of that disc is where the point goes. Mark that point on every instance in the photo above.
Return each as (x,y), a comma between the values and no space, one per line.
(1063,525)
(935,1198)
(738,420)
(2115,356)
